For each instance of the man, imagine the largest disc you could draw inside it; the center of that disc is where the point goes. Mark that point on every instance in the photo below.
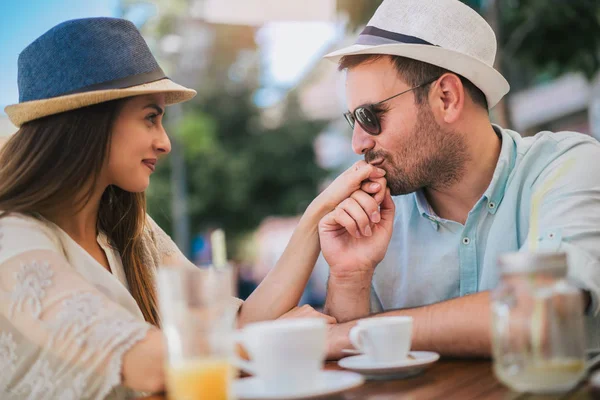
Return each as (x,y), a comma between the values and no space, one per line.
(420,82)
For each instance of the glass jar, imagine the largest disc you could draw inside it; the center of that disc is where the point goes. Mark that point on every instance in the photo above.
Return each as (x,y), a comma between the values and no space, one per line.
(538,336)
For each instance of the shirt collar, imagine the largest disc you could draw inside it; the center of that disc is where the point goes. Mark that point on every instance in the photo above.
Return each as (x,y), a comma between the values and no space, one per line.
(495,191)
(506,161)
(425,209)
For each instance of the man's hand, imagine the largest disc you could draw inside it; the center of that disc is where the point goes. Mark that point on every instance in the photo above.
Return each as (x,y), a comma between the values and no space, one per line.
(282,288)
(355,236)
(361,176)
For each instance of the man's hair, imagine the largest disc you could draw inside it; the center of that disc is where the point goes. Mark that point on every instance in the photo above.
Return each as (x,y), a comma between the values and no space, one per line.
(414,73)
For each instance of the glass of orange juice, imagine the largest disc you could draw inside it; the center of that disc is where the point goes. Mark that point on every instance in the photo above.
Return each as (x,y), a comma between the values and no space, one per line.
(198,319)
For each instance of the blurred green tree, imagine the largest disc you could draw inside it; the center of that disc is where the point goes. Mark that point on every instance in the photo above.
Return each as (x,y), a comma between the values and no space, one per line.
(239,169)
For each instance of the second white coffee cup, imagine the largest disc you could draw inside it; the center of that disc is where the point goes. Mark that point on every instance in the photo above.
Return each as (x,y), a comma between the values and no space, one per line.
(383,339)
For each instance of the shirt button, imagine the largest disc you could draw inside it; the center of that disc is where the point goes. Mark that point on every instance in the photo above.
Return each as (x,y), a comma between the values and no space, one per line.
(492,205)
(466,240)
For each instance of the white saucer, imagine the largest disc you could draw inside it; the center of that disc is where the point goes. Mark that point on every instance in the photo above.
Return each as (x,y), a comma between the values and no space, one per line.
(399,369)
(330,382)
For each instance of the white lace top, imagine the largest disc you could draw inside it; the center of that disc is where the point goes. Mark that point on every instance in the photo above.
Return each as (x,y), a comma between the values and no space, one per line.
(65,321)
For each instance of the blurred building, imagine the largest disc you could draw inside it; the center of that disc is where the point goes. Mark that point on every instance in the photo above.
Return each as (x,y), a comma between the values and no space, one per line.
(259,12)
(556,105)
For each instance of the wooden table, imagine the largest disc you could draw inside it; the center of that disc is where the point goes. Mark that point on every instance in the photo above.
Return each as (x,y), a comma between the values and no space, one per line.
(449,380)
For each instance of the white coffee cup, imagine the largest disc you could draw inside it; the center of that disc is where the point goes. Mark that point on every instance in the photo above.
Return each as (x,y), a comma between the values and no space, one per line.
(286,355)
(383,339)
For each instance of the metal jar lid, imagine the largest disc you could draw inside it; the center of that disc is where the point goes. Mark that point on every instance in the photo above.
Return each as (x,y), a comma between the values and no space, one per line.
(528,262)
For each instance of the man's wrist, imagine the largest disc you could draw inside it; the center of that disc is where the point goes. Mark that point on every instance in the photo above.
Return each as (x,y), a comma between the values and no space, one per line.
(348,295)
(359,277)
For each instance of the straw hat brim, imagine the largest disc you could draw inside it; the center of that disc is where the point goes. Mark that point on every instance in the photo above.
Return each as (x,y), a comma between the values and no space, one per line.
(28,111)
(486,78)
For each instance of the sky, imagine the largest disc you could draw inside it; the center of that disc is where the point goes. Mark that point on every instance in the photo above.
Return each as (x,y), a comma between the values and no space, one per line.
(22,21)
(290,48)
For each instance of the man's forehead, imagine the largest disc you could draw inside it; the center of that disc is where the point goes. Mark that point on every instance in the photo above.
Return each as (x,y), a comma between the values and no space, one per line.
(370,81)
(382,68)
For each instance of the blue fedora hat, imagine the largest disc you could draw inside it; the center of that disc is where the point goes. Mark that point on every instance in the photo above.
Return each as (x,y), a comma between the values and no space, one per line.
(87,61)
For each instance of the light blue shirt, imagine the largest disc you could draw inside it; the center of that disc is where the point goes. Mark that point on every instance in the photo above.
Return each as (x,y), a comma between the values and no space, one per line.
(431,259)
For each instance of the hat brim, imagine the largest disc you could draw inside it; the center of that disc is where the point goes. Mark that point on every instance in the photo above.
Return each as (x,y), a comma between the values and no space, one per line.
(486,78)
(28,111)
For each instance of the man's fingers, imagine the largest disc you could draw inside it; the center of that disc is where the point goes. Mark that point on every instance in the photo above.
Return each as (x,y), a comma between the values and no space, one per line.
(358,214)
(375,187)
(340,217)
(371,187)
(388,207)
(368,204)
(377,172)
(349,181)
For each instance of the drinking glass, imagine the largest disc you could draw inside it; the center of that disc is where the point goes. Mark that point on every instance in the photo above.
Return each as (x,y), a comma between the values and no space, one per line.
(198,319)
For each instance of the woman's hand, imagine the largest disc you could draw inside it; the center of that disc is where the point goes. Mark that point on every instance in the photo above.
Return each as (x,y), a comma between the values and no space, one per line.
(307,311)
(362,176)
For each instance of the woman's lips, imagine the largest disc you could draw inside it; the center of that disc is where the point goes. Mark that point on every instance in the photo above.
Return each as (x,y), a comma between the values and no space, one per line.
(150,164)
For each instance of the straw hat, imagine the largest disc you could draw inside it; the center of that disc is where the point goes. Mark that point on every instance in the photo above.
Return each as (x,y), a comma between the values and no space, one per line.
(446,33)
(83,62)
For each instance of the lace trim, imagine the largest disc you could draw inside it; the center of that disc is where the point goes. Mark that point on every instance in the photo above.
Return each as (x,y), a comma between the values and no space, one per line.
(75,392)
(111,332)
(38,382)
(137,333)
(165,245)
(8,359)
(77,314)
(162,242)
(78,318)
(31,281)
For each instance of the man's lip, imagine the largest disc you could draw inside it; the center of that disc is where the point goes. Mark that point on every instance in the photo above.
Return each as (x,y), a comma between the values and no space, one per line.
(377,162)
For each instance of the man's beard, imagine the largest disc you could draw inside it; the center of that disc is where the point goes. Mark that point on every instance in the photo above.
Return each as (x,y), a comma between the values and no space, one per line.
(431,158)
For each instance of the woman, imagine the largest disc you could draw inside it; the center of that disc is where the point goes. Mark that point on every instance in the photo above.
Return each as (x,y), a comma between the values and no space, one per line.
(78,254)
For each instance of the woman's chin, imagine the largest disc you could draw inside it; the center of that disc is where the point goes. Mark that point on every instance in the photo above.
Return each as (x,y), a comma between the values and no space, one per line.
(136,187)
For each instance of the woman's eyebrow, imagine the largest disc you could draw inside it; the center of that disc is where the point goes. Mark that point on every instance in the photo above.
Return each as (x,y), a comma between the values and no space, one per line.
(158,109)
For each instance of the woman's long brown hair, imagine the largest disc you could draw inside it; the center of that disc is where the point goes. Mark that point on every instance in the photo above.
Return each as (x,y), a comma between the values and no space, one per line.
(49,162)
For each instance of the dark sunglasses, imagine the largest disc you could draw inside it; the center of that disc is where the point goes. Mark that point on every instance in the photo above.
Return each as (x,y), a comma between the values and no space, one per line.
(366,116)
